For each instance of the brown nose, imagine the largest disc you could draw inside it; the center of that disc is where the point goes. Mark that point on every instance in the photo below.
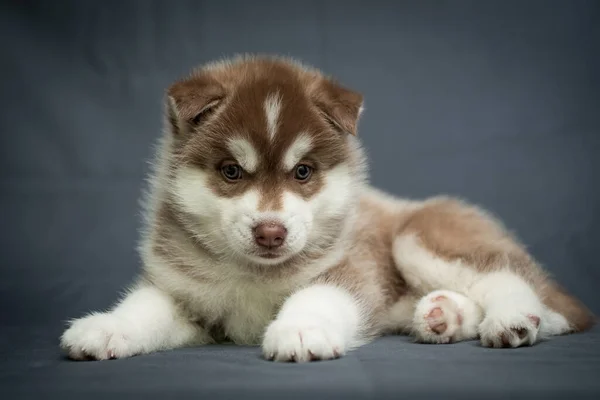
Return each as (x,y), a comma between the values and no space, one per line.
(270,235)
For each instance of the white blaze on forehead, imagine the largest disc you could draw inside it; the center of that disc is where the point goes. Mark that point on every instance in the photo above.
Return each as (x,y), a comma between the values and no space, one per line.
(272,109)
(299,148)
(244,153)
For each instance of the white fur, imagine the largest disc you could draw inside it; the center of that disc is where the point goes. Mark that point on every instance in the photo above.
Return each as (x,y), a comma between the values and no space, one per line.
(401,314)
(508,302)
(146,320)
(193,194)
(319,322)
(553,324)
(272,109)
(361,110)
(244,153)
(301,146)
(426,272)
(336,195)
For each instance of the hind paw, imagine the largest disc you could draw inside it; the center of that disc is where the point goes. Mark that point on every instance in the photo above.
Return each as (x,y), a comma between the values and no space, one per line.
(444,316)
(513,330)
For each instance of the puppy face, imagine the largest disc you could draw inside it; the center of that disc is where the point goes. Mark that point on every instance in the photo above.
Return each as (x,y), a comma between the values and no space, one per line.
(265,159)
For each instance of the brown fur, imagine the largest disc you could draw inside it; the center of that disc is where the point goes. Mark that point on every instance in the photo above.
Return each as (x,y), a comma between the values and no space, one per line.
(309,104)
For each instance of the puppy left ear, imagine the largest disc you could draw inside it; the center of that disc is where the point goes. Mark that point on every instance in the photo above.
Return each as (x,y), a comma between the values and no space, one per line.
(340,105)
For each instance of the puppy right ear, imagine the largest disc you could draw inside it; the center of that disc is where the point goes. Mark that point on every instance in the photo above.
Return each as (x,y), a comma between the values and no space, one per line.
(341,106)
(191,100)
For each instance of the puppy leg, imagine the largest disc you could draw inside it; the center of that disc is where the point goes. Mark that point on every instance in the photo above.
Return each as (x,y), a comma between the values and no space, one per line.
(145,321)
(319,322)
(515,314)
(512,310)
(448,244)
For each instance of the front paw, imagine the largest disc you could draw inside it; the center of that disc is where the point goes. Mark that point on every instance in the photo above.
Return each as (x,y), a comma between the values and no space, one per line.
(97,337)
(302,340)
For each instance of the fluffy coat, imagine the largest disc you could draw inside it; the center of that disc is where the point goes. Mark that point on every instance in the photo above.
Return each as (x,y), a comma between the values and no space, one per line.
(261,228)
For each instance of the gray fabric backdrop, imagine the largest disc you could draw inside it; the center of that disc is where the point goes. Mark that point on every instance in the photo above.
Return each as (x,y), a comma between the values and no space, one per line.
(494,101)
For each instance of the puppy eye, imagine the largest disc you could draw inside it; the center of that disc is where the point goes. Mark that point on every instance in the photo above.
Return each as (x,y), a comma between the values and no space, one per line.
(302,172)
(231,172)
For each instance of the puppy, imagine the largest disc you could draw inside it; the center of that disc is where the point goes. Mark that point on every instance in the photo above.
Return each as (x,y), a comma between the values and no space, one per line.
(262,229)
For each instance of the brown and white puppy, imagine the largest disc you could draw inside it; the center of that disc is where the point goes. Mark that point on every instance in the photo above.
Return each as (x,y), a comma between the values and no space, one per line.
(263,229)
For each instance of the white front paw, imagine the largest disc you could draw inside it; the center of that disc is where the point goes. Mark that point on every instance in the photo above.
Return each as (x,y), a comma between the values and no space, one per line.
(98,337)
(301,340)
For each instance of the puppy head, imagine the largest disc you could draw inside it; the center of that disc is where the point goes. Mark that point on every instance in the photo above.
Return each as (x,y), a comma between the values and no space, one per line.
(265,164)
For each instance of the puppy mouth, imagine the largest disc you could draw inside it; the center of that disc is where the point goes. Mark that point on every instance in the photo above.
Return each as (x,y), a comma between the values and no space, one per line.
(270,255)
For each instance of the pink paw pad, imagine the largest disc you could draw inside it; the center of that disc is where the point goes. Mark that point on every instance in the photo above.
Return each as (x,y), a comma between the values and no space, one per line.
(435,313)
(433,320)
(535,320)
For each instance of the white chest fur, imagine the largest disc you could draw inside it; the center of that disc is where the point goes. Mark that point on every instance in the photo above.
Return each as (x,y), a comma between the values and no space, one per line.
(243,309)
(241,306)
(230,296)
